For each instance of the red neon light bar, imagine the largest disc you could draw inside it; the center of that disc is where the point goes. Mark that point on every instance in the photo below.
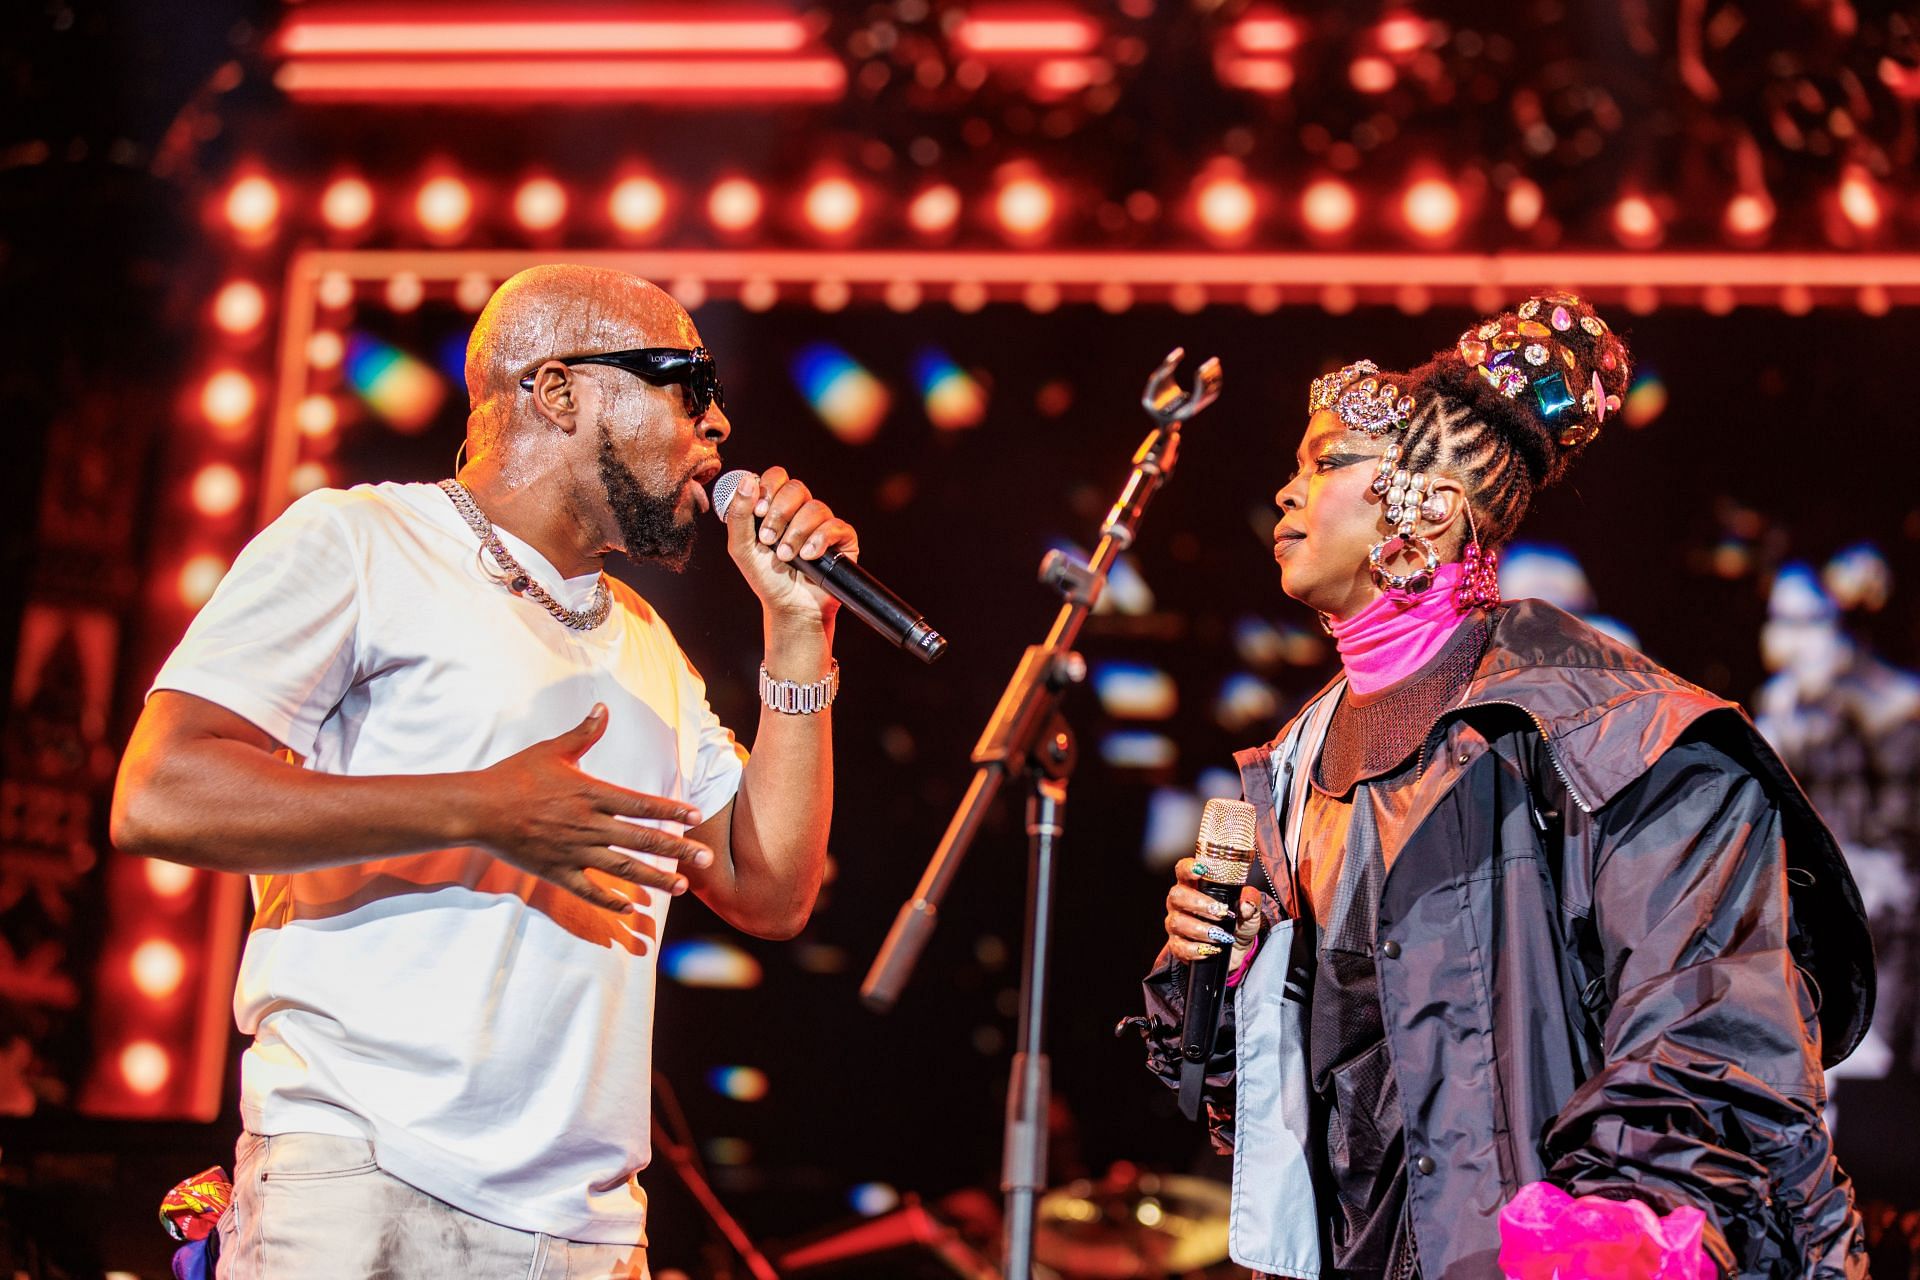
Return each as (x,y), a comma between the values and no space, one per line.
(1026,32)
(424,34)
(818,79)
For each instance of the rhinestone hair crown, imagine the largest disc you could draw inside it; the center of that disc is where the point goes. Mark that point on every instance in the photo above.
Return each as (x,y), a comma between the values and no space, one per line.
(1367,404)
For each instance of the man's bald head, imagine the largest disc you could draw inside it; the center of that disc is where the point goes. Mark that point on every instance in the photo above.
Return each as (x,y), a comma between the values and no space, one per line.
(561,310)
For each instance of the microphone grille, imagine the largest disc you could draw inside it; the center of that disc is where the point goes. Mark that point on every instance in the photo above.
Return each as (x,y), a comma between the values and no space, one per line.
(1228,824)
(724,488)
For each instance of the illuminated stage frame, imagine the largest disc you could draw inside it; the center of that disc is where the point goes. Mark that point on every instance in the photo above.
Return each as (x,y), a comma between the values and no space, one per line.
(905,279)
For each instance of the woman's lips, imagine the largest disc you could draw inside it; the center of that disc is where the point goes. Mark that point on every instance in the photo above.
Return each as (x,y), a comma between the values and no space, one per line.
(1285,542)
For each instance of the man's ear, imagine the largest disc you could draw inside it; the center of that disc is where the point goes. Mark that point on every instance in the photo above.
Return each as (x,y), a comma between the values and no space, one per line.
(556,395)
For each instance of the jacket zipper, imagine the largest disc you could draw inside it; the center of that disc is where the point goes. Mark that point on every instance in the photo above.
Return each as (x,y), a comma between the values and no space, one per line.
(1420,765)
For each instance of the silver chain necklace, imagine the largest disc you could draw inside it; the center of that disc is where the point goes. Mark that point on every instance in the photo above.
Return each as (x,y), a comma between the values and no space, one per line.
(518,580)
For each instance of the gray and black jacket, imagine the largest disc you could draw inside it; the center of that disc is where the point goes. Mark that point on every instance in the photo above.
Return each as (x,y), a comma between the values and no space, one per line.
(1616,949)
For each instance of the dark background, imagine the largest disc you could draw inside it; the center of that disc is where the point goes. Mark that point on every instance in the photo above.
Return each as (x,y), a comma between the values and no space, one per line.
(1785,437)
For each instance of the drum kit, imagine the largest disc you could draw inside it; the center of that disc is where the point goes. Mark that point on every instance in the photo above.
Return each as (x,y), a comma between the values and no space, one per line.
(1131,1224)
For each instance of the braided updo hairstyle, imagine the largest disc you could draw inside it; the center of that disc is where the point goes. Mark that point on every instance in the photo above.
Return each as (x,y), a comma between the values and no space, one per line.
(1508,407)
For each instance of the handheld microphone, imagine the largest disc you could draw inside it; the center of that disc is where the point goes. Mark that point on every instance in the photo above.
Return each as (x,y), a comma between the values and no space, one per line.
(853,586)
(1225,851)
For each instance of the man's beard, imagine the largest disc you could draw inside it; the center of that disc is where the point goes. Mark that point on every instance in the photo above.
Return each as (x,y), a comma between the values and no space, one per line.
(649,526)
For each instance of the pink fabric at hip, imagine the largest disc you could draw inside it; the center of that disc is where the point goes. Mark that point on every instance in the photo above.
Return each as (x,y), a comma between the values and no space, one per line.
(1400,632)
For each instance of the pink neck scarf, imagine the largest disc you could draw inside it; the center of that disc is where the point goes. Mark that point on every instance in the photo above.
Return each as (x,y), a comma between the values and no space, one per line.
(1398,634)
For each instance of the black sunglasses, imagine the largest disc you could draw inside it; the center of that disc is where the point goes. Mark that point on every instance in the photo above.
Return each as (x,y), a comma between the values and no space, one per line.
(691,370)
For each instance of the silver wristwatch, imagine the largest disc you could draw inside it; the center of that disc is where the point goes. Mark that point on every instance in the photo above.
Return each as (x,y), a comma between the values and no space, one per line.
(791,698)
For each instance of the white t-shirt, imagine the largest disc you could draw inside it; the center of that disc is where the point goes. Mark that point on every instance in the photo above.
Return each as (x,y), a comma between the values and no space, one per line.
(488,1031)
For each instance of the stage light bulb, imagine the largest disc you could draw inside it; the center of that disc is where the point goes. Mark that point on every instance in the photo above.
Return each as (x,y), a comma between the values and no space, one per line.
(1371,74)
(1226,207)
(1267,32)
(307,477)
(1328,207)
(253,206)
(239,307)
(169,879)
(1749,215)
(217,490)
(734,205)
(540,204)
(326,349)
(935,210)
(444,205)
(346,204)
(1431,207)
(229,399)
(1024,207)
(637,205)
(198,578)
(405,291)
(1860,199)
(157,968)
(1525,204)
(1636,222)
(317,416)
(145,1067)
(832,206)
(1400,34)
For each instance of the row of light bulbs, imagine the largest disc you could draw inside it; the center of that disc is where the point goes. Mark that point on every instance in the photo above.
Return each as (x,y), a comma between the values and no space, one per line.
(1223,205)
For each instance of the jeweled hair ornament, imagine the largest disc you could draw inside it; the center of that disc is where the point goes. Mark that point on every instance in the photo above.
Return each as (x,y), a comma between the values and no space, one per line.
(1554,347)
(1360,399)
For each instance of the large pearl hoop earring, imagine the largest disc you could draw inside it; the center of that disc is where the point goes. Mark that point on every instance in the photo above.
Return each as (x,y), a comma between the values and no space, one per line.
(1407,499)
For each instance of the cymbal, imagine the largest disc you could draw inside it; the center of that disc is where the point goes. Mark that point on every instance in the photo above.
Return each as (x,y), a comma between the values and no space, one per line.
(1136,1224)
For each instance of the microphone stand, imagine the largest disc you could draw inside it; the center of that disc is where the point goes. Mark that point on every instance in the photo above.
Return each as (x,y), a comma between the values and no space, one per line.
(1027,734)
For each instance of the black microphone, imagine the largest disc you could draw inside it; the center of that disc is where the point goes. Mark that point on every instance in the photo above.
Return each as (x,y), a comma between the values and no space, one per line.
(1225,854)
(853,586)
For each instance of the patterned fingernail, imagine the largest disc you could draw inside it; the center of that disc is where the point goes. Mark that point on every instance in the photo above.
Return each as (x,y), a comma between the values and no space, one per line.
(1221,911)
(1202,870)
(1206,949)
(1221,936)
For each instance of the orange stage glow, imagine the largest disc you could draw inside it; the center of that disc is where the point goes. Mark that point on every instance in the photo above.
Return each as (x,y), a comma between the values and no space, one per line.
(444,205)
(540,204)
(1027,32)
(1328,207)
(145,1067)
(1860,199)
(832,206)
(1272,76)
(637,205)
(317,416)
(169,879)
(217,490)
(1525,204)
(239,307)
(1636,222)
(157,967)
(734,204)
(704,80)
(1266,32)
(229,399)
(198,578)
(935,210)
(1401,34)
(253,207)
(1749,216)
(347,204)
(1431,208)
(1226,208)
(428,31)
(1025,207)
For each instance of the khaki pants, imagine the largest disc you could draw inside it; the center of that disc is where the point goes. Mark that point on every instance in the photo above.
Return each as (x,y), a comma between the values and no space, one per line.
(309,1206)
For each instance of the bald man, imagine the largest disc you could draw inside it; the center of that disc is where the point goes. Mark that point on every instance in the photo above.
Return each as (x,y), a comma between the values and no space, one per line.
(467,772)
